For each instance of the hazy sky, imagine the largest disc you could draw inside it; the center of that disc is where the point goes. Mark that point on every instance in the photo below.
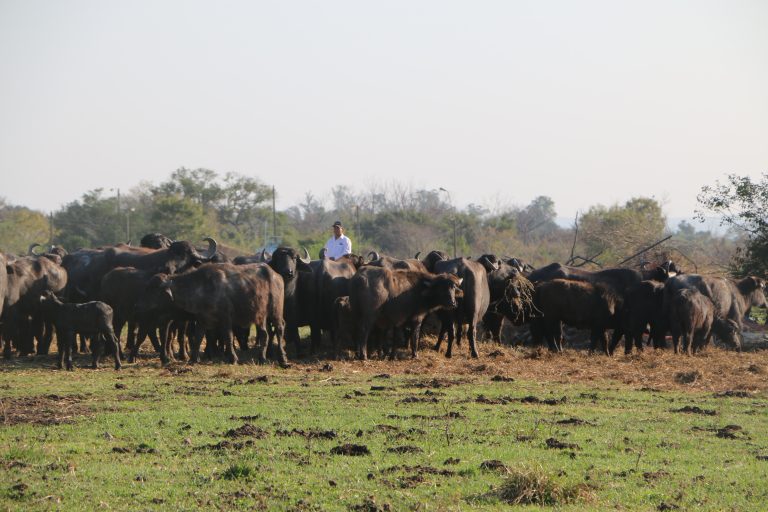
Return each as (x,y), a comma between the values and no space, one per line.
(587,102)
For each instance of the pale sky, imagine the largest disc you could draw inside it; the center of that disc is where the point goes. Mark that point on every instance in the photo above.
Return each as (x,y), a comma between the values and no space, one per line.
(587,102)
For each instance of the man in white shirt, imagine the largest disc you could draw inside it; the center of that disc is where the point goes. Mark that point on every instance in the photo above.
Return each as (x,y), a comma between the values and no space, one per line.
(339,244)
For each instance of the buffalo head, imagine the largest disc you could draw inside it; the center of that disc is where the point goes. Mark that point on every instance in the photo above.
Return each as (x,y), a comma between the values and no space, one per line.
(155,241)
(442,290)
(490,262)
(432,258)
(286,261)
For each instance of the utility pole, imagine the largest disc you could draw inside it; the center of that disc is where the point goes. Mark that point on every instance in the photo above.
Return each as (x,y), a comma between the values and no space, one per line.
(274,214)
(454,236)
(357,223)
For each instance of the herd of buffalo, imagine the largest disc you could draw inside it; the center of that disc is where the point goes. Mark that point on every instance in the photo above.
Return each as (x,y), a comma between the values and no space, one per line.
(172,291)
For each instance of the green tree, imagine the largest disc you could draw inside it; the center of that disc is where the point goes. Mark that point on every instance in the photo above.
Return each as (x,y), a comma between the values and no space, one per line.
(618,231)
(90,221)
(182,218)
(20,227)
(537,219)
(244,205)
(742,203)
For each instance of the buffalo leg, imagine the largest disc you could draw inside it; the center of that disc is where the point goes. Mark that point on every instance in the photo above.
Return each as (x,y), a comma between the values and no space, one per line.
(195,342)
(599,337)
(451,335)
(227,340)
(262,343)
(44,343)
(279,332)
(471,334)
(415,333)
(116,344)
(65,352)
(97,349)
(363,331)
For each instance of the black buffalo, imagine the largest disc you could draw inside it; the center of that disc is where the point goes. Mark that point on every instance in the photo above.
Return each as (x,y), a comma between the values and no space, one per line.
(221,296)
(93,319)
(384,298)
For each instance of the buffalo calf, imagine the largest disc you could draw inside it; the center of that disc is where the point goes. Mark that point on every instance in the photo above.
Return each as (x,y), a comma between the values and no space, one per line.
(91,319)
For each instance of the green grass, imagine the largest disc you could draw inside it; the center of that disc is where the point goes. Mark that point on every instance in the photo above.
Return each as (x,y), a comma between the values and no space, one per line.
(161,440)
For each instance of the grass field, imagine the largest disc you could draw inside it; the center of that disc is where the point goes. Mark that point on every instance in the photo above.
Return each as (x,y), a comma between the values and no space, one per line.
(577,432)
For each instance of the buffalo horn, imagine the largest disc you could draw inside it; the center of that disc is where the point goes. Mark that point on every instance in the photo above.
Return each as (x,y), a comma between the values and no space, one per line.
(374,255)
(31,250)
(416,256)
(306,258)
(212,247)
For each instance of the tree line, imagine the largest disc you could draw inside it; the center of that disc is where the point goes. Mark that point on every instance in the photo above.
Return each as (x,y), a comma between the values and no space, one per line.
(400,220)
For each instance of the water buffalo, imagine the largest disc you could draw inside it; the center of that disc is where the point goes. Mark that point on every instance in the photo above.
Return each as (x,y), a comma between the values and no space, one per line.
(498,286)
(92,319)
(383,298)
(298,278)
(122,288)
(579,304)
(27,278)
(473,304)
(331,282)
(221,295)
(643,307)
(155,241)
(377,260)
(732,299)
(691,315)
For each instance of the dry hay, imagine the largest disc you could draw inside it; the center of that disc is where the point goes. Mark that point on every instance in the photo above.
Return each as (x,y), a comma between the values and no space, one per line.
(715,369)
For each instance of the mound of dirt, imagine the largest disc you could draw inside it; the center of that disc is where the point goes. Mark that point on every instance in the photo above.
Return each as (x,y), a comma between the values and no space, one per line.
(352,450)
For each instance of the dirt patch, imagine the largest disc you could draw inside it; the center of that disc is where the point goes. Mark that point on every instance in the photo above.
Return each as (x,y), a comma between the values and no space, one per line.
(246,430)
(226,445)
(43,409)
(730,393)
(502,400)
(688,377)
(174,370)
(651,476)
(405,449)
(693,409)
(308,434)
(437,383)
(370,505)
(556,444)
(352,450)
(574,421)
(545,401)
(419,399)
(451,461)
(421,470)
(731,432)
(501,378)
(493,465)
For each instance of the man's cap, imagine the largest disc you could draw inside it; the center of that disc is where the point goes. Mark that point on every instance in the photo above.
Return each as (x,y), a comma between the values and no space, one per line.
(337,223)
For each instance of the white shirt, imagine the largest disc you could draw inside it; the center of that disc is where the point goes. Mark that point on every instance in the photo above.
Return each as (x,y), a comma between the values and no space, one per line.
(337,247)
